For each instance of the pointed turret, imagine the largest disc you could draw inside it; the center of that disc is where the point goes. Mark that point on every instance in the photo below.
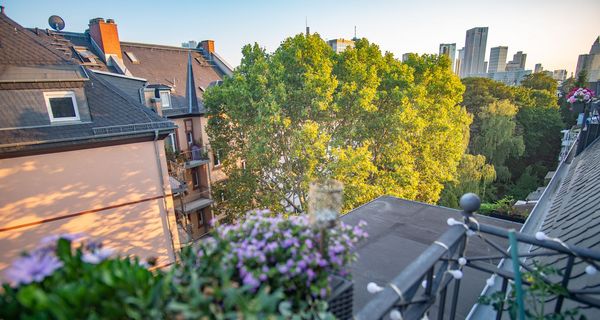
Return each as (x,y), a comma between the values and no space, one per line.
(190,90)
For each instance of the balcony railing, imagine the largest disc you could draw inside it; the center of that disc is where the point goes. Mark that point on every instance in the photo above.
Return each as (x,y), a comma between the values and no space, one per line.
(194,200)
(428,281)
(194,157)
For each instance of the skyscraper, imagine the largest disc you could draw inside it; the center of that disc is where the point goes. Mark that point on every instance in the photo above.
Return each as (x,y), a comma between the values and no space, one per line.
(497,59)
(475,44)
(538,68)
(518,62)
(590,62)
(448,50)
(459,60)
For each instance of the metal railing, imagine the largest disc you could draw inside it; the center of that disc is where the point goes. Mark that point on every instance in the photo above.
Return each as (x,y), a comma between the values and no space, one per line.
(138,127)
(427,281)
(169,112)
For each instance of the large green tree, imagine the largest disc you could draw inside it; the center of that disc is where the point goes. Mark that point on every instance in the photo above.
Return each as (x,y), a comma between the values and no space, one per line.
(304,113)
(498,139)
(517,129)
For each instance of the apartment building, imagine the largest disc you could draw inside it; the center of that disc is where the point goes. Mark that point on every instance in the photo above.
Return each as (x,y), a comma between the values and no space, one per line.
(171,81)
(78,155)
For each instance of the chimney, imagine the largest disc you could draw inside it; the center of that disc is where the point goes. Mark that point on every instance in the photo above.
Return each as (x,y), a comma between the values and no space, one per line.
(2,9)
(208,46)
(106,38)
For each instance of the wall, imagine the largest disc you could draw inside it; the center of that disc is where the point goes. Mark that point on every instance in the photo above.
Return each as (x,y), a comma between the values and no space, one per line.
(84,183)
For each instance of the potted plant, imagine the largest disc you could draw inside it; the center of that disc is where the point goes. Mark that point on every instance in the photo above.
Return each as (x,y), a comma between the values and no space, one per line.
(578,98)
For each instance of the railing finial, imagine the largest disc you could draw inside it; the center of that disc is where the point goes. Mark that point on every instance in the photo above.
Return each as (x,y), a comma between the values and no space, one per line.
(470,203)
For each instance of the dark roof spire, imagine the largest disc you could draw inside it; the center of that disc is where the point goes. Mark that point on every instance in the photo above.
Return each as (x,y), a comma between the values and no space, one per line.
(190,90)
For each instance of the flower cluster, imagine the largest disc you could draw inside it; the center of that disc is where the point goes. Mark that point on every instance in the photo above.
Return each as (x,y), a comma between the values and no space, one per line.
(288,253)
(580,95)
(43,261)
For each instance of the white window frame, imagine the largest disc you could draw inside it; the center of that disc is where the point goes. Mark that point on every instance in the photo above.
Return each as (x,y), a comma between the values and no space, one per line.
(171,138)
(61,94)
(166,94)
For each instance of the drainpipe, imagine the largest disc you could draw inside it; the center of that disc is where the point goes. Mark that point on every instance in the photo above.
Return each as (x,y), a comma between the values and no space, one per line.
(164,195)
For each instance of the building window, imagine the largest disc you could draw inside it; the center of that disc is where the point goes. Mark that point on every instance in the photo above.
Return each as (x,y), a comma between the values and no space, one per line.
(195,178)
(189,131)
(62,106)
(200,214)
(165,99)
(171,142)
(217,158)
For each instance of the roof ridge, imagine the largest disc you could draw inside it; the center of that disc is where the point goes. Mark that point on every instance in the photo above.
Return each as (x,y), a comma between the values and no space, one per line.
(29,34)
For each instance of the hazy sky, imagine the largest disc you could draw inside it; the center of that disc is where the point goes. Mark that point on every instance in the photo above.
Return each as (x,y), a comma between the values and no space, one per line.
(553,32)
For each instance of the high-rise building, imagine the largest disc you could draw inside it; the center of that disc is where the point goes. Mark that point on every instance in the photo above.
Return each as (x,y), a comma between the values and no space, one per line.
(475,43)
(590,62)
(559,75)
(448,50)
(405,56)
(518,62)
(190,44)
(538,68)
(339,45)
(497,59)
(459,60)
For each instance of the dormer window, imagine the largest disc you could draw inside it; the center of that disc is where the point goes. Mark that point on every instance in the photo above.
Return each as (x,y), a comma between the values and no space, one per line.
(62,106)
(165,99)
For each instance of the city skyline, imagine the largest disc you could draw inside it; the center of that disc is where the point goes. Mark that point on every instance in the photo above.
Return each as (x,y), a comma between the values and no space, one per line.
(551,38)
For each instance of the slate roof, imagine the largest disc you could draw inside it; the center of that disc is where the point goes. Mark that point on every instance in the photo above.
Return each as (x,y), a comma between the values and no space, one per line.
(20,47)
(399,231)
(106,112)
(113,116)
(574,217)
(158,64)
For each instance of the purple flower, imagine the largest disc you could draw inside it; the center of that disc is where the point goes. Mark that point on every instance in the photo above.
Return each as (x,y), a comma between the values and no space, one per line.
(97,256)
(309,243)
(310,273)
(250,281)
(282,268)
(33,267)
(323,292)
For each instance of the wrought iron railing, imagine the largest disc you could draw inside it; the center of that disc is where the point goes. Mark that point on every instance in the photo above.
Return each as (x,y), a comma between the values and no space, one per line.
(435,276)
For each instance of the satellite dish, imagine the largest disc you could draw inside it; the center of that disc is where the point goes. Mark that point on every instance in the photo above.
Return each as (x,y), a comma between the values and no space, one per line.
(57,23)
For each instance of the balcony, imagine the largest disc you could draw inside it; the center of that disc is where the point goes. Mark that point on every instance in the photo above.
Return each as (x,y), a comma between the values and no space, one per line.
(196,200)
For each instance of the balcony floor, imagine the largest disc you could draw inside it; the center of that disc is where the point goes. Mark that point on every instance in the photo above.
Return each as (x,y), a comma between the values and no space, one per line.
(195,205)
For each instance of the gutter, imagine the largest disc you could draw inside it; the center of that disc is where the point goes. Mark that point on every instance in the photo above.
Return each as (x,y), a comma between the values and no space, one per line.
(165,217)
(108,135)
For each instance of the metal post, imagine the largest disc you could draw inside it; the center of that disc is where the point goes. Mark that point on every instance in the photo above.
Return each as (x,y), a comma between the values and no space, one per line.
(516,267)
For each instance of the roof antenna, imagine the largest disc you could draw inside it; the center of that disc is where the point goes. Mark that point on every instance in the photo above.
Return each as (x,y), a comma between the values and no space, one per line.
(355,38)
(307,27)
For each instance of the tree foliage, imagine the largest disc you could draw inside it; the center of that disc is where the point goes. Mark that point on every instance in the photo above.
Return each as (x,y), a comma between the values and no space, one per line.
(498,139)
(304,113)
(474,175)
(517,129)
(540,81)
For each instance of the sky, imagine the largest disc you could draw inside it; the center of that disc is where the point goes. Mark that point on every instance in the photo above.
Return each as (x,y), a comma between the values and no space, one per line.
(551,32)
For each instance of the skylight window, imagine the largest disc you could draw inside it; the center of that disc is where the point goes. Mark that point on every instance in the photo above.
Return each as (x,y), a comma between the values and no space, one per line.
(85,55)
(132,57)
(62,106)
